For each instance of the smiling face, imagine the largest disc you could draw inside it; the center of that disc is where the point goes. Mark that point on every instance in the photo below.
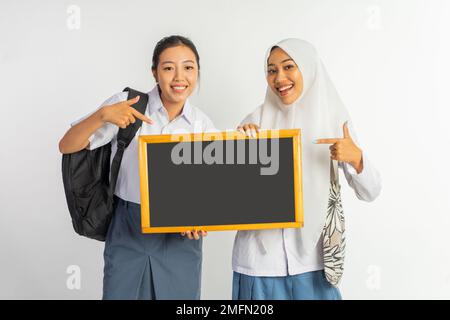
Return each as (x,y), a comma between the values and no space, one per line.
(284,76)
(176,74)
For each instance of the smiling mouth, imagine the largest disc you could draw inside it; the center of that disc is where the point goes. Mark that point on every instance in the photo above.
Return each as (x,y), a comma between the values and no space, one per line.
(179,88)
(284,90)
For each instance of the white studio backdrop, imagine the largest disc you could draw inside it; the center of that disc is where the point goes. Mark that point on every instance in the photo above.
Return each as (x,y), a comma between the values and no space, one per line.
(388,58)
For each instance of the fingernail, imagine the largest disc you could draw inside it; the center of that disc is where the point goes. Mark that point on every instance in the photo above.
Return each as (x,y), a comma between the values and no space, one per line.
(253,133)
(314,141)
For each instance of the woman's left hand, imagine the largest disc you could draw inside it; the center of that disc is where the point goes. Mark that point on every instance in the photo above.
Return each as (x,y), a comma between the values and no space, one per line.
(345,150)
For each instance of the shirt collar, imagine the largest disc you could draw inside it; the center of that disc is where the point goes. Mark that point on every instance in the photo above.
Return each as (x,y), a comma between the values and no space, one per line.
(155,104)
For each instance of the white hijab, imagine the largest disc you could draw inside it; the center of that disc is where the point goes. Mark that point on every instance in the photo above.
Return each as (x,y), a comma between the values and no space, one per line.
(319,113)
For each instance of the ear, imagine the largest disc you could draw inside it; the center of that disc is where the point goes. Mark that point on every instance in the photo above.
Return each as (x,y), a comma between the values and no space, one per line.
(155,75)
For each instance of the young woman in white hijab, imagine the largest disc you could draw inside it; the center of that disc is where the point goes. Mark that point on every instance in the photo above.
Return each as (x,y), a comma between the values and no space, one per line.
(288,263)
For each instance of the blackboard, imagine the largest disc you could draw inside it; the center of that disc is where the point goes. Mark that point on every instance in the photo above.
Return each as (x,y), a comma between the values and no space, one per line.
(220,181)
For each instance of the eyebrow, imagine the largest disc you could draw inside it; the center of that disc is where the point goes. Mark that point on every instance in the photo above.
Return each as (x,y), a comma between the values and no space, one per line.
(174,62)
(285,60)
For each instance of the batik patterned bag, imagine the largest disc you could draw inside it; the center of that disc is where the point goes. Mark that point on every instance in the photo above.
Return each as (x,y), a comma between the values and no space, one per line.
(333,233)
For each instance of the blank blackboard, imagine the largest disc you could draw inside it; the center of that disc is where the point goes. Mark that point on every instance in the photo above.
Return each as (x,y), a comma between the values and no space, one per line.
(220,181)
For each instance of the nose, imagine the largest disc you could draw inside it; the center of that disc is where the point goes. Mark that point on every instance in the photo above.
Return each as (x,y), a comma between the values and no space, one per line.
(280,76)
(178,74)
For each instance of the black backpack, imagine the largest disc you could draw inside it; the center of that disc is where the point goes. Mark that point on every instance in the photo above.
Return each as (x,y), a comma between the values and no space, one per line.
(87,183)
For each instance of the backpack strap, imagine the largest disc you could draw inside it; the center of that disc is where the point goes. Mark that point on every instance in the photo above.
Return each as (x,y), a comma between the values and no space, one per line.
(125,136)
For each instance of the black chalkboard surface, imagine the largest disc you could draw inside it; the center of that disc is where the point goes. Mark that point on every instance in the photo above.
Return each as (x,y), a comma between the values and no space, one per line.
(220,181)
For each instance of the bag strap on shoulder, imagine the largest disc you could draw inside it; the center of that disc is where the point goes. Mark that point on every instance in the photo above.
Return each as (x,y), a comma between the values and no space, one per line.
(125,136)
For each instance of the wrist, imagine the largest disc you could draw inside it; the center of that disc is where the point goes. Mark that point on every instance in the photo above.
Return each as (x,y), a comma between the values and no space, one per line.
(102,114)
(358,163)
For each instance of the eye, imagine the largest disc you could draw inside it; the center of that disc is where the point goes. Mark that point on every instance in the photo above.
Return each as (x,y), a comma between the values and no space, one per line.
(168,68)
(271,71)
(189,68)
(289,66)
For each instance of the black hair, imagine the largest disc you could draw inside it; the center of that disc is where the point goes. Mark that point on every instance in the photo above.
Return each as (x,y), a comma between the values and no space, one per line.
(170,42)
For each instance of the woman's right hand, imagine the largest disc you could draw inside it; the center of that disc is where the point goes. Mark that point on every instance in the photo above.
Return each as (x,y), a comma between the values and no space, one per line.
(122,114)
(250,129)
(194,234)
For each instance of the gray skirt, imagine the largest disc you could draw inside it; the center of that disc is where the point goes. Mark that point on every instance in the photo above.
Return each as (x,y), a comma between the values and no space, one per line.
(148,266)
(306,286)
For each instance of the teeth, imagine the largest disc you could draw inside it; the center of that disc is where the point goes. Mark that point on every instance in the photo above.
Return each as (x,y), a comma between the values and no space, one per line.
(179,88)
(285,88)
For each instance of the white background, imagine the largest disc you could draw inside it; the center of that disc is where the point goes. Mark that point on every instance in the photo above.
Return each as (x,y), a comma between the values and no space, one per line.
(389,60)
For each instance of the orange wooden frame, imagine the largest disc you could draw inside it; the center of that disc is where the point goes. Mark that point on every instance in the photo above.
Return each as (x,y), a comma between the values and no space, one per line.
(209,136)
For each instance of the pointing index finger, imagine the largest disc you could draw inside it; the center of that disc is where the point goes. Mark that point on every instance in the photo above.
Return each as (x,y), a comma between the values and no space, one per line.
(139,115)
(327,141)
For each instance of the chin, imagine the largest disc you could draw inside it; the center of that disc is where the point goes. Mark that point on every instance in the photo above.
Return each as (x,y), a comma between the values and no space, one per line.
(287,101)
(179,99)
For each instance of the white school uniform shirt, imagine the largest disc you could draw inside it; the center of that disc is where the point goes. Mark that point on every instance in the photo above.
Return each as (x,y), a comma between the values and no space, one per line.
(191,120)
(276,252)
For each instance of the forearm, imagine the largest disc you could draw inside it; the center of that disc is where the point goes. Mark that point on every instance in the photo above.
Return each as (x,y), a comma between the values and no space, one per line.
(77,137)
(367,183)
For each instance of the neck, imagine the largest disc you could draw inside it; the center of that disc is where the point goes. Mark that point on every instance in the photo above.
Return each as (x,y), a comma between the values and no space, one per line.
(174,109)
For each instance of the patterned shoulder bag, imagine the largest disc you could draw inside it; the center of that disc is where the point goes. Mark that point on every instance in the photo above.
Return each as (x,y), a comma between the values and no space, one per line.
(333,233)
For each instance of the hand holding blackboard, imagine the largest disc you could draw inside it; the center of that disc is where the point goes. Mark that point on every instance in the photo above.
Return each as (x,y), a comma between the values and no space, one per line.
(250,129)
(194,234)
